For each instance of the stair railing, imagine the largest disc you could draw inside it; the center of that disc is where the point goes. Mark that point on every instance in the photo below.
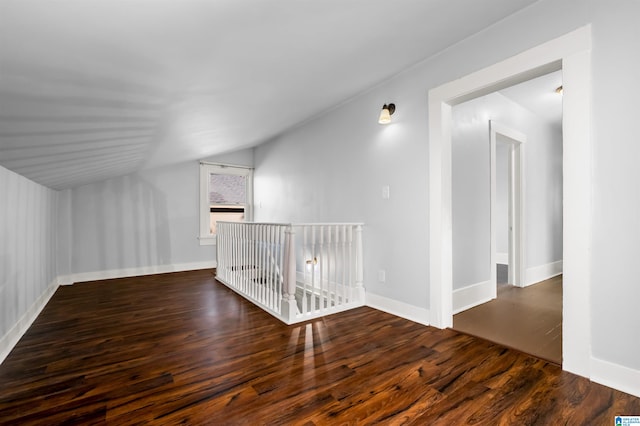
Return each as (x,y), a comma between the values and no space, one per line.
(295,272)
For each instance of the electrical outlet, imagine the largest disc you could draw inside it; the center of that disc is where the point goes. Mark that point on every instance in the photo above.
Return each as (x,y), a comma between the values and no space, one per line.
(382,275)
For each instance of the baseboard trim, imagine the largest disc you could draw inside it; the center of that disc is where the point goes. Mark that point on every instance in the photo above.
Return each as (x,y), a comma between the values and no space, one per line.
(11,338)
(543,272)
(616,376)
(399,309)
(134,272)
(473,295)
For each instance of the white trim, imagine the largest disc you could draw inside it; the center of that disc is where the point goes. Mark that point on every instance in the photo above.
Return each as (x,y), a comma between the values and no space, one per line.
(237,166)
(577,212)
(535,274)
(135,272)
(208,241)
(440,213)
(65,279)
(517,185)
(616,376)
(473,295)
(572,54)
(11,337)
(399,309)
(502,258)
(204,236)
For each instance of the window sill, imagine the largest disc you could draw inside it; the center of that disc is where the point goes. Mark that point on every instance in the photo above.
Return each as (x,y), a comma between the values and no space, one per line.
(207,241)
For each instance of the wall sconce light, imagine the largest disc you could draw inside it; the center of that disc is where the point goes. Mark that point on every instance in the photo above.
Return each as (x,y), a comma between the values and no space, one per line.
(385,114)
(313,261)
(559,90)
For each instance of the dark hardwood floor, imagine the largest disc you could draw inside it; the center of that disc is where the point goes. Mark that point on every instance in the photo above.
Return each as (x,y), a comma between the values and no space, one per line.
(528,319)
(183,349)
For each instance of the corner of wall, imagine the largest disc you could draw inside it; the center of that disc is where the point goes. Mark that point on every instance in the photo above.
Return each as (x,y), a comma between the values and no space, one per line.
(615,376)
(473,295)
(400,309)
(540,273)
(64,235)
(11,338)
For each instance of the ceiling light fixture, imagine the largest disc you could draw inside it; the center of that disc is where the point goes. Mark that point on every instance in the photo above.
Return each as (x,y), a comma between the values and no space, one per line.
(385,114)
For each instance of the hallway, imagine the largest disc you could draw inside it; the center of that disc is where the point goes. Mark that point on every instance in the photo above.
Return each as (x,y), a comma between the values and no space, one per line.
(527,319)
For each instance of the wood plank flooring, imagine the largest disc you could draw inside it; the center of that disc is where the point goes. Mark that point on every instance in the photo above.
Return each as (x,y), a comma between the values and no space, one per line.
(183,349)
(528,319)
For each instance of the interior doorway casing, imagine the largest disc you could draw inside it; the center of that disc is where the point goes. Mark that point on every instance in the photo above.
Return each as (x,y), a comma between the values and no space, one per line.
(516,141)
(572,54)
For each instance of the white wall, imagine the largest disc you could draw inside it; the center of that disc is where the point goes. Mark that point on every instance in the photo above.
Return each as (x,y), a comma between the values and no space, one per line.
(616,214)
(145,222)
(332,168)
(28,223)
(147,219)
(471,187)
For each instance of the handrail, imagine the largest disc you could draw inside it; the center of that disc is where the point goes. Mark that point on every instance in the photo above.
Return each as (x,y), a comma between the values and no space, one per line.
(298,223)
(295,271)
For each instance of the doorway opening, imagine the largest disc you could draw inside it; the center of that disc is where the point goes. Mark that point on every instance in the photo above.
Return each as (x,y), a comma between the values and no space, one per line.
(489,220)
(572,54)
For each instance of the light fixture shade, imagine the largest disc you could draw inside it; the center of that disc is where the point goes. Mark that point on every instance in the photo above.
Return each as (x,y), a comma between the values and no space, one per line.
(385,117)
(385,114)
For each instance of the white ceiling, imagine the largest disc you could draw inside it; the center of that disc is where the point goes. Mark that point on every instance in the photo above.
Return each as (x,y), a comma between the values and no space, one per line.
(92,89)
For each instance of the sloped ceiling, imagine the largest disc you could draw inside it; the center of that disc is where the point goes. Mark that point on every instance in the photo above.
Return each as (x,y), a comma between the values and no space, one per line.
(92,89)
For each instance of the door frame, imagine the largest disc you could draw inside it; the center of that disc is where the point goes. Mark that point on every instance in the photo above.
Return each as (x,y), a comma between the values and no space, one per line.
(516,141)
(572,54)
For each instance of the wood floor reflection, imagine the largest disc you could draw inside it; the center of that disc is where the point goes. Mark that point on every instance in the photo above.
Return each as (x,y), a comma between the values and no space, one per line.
(528,319)
(183,349)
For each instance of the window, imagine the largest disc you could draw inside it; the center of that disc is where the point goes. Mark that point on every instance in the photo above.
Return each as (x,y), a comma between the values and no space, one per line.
(225,195)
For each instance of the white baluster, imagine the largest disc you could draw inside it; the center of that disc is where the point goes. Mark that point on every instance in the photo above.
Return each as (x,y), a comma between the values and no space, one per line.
(221,255)
(242,269)
(349,266)
(305,257)
(278,289)
(314,298)
(276,269)
(245,270)
(323,293)
(265,276)
(332,260)
(288,301)
(343,286)
(254,275)
(238,254)
(360,295)
(269,283)
(225,254)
